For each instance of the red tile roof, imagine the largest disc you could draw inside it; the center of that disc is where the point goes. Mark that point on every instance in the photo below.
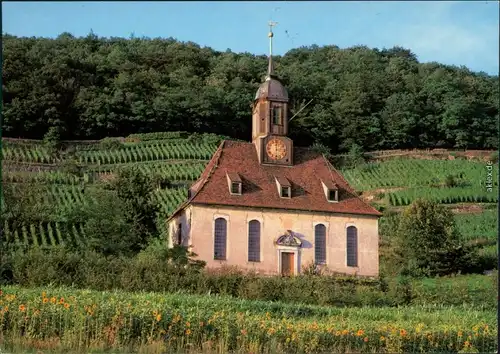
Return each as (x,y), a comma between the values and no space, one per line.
(259,188)
(234,177)
(283,181)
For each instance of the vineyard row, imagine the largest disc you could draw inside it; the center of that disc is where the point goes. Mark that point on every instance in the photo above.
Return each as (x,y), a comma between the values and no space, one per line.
(413,173)
(126,154)
(170,171)
(443,196)
(44,234)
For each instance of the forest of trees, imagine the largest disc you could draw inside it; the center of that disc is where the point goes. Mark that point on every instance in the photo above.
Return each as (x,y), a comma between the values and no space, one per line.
(92,87)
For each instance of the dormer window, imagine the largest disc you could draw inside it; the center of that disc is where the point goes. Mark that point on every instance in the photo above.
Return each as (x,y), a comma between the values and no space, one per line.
(234,183)
(331,191)
(285,192)
(277,116)
(235,188)
(284,187)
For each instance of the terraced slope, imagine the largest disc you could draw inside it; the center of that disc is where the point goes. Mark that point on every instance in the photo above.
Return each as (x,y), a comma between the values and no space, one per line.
(68,175)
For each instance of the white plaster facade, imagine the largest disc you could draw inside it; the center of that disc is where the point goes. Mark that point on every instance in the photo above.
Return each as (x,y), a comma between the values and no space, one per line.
(198,232)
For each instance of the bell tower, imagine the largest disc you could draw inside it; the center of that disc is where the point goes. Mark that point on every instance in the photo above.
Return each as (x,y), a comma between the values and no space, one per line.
(270,117)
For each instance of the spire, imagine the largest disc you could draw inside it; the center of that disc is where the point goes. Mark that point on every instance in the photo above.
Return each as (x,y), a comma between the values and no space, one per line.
(270,65)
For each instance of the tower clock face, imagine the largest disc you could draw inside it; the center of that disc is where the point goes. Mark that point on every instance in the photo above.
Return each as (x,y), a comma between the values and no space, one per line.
(276,149)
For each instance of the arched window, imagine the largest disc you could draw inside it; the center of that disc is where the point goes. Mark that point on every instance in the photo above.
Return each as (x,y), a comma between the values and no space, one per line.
(320,244)
(254,241)
(352,246)
(220,239)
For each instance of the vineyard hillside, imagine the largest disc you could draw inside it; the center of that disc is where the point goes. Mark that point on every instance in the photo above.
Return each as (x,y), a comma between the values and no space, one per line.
(66,173)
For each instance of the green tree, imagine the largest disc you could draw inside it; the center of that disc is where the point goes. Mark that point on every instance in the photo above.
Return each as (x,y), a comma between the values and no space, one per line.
(355,156)
(135,194)
(92,87)
(428,243)
(106,227)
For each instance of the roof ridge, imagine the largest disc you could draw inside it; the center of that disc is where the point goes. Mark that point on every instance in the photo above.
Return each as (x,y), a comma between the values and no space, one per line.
(349,188)
(331,167)
(215,161)
(216,158)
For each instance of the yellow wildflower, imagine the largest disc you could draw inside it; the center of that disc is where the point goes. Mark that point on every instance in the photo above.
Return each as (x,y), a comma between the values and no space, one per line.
(22,308)
(188,332)
(45,300)
(66,306)
(360,333)
(5,308)
(402,333)
(61,300)
(419,327)
(460,333)
(53,300)
(382,338)
(44,294)
(158,317)
(10,297)
(345,332)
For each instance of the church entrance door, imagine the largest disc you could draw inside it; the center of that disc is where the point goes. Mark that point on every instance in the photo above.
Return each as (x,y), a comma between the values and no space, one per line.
(287,262)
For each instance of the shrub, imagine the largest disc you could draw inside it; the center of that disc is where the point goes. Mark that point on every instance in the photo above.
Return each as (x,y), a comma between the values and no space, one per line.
(494,157)
(110,143)
(52,139)
(450,181)
(355,156)
(380,195)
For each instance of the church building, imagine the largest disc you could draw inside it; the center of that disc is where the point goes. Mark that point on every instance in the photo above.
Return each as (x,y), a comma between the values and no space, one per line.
(274,208)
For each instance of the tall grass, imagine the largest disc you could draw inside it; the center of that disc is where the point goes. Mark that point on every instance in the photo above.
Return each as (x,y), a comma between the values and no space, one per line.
(82,319)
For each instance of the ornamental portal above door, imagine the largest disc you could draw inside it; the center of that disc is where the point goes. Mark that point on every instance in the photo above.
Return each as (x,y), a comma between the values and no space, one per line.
(288,239)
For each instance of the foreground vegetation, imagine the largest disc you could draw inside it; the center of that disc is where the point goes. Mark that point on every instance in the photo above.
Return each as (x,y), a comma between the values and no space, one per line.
(79,320)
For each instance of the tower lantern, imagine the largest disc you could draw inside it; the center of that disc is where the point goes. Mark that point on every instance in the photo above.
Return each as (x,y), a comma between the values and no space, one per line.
(270,116)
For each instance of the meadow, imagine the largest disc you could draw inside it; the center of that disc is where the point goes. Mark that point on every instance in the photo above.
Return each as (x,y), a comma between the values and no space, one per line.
(79,320)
